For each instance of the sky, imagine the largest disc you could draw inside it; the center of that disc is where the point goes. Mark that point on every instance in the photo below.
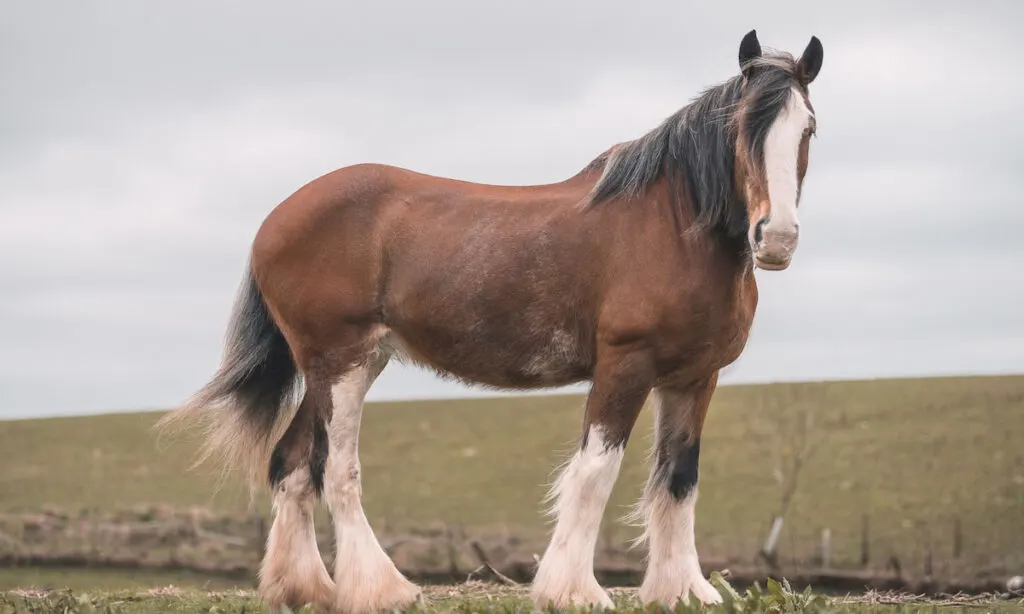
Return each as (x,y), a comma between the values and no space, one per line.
(142,144)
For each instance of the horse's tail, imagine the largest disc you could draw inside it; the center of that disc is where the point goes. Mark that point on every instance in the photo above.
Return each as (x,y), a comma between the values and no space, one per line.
(251,398)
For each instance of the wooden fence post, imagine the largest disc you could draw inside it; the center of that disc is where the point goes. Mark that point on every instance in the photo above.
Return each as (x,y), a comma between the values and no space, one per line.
(865,542)
(826,548)
(958,538)
(768,549)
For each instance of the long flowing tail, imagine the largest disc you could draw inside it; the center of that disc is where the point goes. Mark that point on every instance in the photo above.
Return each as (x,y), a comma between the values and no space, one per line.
(252,397)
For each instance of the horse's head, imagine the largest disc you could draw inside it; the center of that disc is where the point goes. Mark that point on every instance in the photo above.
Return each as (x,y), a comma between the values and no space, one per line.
(774,124)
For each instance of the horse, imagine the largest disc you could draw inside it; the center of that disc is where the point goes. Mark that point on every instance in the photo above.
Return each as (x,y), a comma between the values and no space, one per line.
(635,275)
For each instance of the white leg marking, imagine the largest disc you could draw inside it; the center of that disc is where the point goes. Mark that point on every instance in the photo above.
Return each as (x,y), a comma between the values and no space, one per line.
(292,571)
(367,580)
(673,568)
(565,576)
(781,150)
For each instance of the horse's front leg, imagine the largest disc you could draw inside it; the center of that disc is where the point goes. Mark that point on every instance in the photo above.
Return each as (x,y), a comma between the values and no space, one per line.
(667,507)
(565,577)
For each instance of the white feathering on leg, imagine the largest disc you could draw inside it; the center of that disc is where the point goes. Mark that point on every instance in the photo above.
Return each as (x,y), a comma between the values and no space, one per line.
(566,573)
(673,567)
(367,579)
(292,571)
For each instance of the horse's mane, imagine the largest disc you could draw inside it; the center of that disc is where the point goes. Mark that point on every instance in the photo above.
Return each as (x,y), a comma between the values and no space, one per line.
(696,147)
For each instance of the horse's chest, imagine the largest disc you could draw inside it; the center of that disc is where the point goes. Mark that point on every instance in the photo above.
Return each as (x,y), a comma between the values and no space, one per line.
(709,336)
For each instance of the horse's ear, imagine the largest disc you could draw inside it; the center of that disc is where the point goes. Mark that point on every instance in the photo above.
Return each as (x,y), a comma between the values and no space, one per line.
(810,61)
(750,49)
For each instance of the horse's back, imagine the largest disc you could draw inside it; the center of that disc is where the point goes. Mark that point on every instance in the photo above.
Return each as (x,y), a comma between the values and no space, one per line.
(378,244)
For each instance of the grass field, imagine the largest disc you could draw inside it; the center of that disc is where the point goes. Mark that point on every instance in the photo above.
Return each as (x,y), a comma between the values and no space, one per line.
(913,455)
(464,599)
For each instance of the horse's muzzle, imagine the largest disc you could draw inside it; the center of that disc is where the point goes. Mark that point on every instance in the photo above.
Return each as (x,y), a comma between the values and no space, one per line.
(774,244)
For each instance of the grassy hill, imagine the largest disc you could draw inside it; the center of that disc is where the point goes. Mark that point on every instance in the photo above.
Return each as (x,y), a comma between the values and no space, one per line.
(915,456)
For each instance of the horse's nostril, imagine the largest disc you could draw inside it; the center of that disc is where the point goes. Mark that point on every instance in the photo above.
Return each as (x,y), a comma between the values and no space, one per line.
(758,235)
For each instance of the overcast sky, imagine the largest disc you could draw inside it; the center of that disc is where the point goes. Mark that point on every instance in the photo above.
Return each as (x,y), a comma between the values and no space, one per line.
(142,144)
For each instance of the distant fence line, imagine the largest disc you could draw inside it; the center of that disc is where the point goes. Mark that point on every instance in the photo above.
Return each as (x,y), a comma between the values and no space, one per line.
(232,546)
(824,555)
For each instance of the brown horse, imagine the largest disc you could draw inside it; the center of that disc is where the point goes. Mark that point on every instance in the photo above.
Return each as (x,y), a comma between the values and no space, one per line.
(636,274)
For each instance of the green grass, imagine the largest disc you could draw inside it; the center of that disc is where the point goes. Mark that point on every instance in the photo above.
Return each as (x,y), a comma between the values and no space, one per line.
(86,580)
(914,455)
(464,599)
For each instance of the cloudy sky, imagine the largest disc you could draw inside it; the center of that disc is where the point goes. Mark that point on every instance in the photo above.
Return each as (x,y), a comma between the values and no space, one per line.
(142,144)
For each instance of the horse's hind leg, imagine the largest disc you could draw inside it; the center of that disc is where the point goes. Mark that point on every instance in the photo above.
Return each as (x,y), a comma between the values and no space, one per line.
(367,580)
(292,572)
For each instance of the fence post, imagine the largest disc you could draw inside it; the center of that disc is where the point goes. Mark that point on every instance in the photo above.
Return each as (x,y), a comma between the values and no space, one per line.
(958,538)
(865,554)
(826,548)
(771,542)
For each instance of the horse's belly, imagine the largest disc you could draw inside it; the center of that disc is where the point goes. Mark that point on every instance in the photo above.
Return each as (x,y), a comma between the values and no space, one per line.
(502,356)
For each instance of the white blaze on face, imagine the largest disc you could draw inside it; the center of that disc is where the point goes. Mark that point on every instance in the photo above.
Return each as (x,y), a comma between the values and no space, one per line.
(781,150)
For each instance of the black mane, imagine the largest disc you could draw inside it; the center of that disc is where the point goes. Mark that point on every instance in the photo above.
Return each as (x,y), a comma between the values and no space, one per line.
(696,147)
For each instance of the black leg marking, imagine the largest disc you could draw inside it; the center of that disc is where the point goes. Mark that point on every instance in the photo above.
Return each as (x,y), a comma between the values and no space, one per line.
(304,443)
(318,457)
(278,466)
(293,449)
(683,477)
